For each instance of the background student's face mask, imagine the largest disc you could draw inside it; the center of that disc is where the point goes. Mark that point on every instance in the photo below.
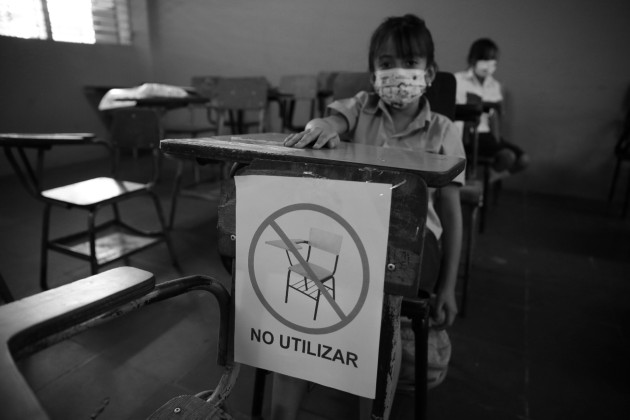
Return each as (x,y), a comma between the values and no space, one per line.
(399,87)
(485,68)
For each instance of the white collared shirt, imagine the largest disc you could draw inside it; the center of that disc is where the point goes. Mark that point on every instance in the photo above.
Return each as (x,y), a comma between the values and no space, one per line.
(369,123)
(489,91)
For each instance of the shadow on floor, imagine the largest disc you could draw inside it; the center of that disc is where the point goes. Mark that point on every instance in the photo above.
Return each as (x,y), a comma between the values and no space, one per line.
(546,335)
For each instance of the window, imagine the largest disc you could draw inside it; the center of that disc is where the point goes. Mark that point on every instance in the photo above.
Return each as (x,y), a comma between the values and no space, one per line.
(82,21)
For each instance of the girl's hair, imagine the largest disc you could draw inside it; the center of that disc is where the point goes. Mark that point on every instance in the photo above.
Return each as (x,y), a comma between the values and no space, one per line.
(482,49)
(410,36)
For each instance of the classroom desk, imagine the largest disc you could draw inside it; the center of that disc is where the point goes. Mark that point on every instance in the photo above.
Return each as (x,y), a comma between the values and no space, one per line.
(29,173)
(436,170)
(167,103)
(408,172)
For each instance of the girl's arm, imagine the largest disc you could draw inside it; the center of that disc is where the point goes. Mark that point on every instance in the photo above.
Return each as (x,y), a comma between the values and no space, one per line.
(319,132)
(445,308)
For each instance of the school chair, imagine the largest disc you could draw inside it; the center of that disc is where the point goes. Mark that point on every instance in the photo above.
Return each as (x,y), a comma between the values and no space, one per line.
(404,251)
(441,96)
(325,80)
(468,115)
(233,97)
(203,86)
(134,131)
(622,155)
(346,84)
(311,272)
(39,321)
(238,98)
(297,91)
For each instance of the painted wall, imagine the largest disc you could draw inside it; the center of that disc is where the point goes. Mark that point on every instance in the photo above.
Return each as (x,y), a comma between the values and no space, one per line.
(564,63)
(41,85)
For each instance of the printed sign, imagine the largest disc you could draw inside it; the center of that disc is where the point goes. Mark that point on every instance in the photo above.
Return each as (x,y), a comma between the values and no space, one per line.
(310,264)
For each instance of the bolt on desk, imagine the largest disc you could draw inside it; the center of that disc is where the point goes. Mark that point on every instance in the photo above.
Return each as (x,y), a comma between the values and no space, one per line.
(409,173)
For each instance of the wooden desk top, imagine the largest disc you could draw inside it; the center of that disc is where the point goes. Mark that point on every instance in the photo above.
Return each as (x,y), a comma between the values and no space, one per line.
(44,139)
(167,102)
(436,170)
(279,243)
(25,322)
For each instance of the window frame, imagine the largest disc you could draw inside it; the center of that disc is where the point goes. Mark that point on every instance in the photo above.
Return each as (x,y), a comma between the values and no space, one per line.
(111,21)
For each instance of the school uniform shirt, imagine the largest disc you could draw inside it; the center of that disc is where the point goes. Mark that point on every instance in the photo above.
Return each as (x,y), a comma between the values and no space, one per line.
(489,91)
(369,122)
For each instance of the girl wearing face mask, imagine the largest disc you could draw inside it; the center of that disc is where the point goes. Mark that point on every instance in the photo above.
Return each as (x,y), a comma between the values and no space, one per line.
(401,61)
(477,84)
(396,114)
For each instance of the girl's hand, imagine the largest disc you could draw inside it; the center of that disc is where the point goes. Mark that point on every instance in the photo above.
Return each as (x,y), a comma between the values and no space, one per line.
(318,132)
(444,310)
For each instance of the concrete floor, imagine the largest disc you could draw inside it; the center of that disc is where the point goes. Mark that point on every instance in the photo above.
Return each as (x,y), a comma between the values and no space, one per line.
(546,336)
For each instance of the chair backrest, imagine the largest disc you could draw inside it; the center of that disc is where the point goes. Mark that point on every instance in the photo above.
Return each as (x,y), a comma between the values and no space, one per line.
(347,84)
(241,93)
(135,130)
(325,81)
(300,86)
(302,101)
(441,94)
(324,240)
(204,85)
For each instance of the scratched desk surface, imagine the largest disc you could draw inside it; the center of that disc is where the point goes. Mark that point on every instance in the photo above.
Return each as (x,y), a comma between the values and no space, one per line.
(44,139)
(436,170)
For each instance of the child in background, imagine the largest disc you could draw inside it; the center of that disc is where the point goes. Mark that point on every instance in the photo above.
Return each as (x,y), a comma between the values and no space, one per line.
(402,63)
(478,84)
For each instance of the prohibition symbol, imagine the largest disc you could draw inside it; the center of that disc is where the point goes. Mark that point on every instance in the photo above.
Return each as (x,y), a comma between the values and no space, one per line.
(271,222)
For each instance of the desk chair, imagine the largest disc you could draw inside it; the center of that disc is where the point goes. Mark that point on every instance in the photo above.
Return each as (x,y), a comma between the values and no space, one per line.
(296,90)
(346,84)
(325,81)
(232,98)
(204,86)
(237,96)
(198,188)
(469,116)
(404,252)
(311,273)
(622,155)
(112,240)
(441,96)
(39,321)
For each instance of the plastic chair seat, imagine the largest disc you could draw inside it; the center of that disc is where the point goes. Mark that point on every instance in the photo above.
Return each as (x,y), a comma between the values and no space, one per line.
(320,272)
(93,191)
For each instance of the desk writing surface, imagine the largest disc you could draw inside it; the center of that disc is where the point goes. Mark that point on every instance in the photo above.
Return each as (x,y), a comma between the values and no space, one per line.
(436,170)
(165,102)
(44,139)
(279,243)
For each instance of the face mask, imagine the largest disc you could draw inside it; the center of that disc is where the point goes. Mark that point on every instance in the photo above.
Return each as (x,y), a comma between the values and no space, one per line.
(485,68)
(399,87)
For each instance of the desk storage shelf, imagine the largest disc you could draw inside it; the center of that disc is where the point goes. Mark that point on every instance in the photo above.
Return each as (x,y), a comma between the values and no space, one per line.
(113,242)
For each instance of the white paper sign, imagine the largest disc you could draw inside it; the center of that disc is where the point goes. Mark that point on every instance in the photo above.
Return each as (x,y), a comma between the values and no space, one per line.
(310,264)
